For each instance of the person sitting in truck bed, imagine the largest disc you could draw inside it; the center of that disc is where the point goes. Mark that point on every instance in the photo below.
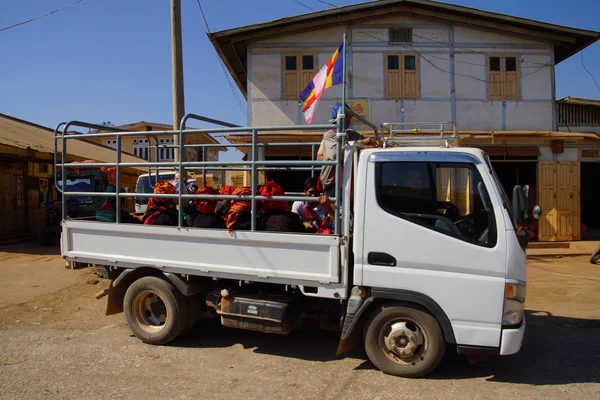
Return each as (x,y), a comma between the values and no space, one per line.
(316,216)
(206,216)
(239,215)
(162,211)
(276,215)
(108,212)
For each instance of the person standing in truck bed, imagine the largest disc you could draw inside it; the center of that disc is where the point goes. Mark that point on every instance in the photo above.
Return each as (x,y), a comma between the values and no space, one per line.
(329,149)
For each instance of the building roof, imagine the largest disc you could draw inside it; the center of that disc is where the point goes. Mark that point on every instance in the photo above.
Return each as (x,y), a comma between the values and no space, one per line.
(580,101)
(208,139)
(26,135)
(232,44)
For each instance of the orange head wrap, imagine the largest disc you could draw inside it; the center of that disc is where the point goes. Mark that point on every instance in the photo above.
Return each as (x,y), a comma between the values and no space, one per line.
(162,187)
(227,190)
(206,206)
(271,189)
(238,207)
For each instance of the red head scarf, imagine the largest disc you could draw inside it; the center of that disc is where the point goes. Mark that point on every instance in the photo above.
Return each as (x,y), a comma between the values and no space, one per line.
(206,206)
(162,187)
(238,207)
(271,189)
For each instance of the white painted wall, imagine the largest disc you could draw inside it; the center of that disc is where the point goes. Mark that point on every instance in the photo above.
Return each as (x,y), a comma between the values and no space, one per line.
(534,111)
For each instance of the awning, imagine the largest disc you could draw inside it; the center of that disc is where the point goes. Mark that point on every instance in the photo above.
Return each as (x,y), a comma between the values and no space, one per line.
(524,151)
(514,151)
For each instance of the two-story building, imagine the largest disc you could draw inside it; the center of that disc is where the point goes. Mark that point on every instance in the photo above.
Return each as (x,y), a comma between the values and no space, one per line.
(146,148)
(493,75)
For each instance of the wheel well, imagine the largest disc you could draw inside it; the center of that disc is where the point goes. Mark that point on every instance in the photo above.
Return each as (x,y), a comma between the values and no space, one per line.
(408,299)
(120,285)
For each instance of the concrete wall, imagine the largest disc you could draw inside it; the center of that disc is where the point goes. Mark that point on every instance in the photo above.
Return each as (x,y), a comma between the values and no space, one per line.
(443,97)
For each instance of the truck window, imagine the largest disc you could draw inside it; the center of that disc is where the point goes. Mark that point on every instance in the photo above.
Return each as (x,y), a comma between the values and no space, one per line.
(450,198)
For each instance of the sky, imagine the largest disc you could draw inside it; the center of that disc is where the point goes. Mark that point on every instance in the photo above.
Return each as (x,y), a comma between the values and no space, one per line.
(110,60)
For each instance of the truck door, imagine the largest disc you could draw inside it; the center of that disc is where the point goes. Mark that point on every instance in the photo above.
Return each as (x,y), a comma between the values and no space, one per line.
(431,227)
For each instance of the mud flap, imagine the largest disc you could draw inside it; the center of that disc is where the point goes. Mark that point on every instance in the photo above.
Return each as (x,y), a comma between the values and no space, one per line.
(114,304)
(352,341)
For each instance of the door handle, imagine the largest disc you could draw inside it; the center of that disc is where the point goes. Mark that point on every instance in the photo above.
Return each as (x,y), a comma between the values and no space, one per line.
(384,259)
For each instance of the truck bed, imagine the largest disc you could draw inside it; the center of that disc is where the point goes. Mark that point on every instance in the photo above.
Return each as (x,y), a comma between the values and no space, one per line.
(285,258)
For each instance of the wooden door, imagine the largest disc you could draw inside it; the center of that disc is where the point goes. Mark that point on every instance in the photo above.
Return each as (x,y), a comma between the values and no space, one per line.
(568,203)
(547,199)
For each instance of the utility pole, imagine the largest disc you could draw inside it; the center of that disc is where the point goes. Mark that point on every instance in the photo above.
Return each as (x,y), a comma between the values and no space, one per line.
(177,73)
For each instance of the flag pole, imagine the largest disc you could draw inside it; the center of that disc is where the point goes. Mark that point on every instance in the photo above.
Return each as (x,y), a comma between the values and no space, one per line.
(341,139)
(342,123)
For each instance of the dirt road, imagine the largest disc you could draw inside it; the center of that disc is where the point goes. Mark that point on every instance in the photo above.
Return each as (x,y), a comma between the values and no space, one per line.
(56,343)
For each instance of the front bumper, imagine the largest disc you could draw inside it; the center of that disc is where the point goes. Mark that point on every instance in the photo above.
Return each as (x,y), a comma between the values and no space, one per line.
(512,339)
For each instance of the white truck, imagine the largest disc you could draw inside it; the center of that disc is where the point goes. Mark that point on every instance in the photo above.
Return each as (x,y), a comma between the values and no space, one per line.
(425,254)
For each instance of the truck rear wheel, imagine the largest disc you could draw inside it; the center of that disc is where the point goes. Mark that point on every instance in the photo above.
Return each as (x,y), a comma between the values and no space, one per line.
(404,341)
(155,310)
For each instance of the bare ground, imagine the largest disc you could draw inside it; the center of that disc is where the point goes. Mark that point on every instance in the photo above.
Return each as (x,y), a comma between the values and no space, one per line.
(57,343)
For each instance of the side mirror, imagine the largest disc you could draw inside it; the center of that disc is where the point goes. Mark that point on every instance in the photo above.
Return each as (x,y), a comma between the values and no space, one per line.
(537,212)
(519,203)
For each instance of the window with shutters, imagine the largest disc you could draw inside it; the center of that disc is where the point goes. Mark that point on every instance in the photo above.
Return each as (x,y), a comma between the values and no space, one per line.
(503,77)
(141,149)
(401,76)
(399,35)
(298,71)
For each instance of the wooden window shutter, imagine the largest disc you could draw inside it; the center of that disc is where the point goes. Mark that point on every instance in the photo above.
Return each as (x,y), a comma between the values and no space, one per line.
(494,77)
(393,76)
(511,78)
(308,71)
(291,80)
(410,78)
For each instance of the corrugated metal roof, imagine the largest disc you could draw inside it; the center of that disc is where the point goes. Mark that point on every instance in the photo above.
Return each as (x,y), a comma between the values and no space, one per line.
(232,44)
(580,100)
(26,135)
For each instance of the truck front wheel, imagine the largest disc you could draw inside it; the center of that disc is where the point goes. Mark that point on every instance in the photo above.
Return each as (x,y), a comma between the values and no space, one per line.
(155,310)
(404,341)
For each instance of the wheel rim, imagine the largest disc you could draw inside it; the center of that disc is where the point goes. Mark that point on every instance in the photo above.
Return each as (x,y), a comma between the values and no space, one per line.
(403,341)
(149,311)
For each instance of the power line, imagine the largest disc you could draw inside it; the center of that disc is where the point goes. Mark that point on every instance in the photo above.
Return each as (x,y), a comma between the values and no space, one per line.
(456,73)
(586,70)
(304,5)
(239,102)
(329,4)
(203,16)
(40,17)
(445,44)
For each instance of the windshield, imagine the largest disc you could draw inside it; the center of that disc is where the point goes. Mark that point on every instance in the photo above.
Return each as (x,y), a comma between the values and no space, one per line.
(505,200)
(145,184)
(77,185)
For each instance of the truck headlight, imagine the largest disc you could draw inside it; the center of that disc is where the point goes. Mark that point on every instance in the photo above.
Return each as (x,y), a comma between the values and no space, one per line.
(514,303)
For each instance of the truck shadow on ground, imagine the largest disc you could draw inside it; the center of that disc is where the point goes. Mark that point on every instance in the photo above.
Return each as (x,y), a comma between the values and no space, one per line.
(30,248)
(557,350)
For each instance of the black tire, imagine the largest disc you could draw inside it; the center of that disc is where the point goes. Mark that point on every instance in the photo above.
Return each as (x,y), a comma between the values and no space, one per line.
(427,338)
(193,303)
(155,310)
(595,256)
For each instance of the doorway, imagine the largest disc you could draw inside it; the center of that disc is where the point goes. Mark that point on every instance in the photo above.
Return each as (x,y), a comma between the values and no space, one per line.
(590,201)
(522,172)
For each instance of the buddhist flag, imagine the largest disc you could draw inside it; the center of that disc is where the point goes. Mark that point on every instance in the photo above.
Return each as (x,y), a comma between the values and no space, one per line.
(330,75)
